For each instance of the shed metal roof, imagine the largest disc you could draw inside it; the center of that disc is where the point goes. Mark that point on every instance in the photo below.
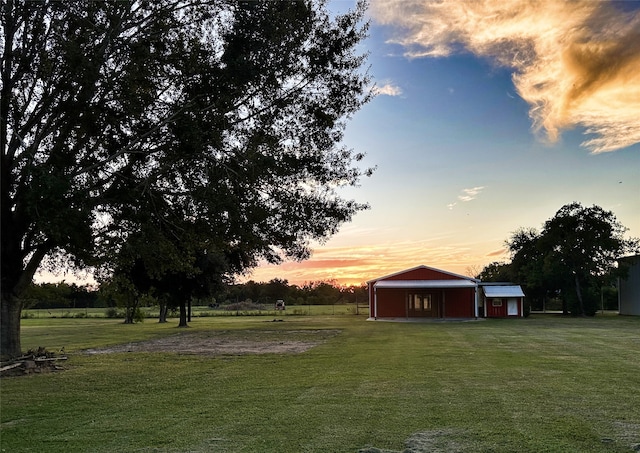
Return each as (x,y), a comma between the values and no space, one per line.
(503,291)
(419,284)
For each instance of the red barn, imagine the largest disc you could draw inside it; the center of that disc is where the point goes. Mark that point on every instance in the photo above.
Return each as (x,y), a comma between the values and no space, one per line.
(423,292)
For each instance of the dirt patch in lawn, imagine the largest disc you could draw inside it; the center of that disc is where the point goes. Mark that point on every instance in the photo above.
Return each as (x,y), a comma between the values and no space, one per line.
(436,441)
(458,440)
(228,343)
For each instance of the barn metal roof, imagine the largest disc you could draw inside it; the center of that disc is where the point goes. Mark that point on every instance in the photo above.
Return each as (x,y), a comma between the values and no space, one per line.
(503,291)
(421,267)
(418,284)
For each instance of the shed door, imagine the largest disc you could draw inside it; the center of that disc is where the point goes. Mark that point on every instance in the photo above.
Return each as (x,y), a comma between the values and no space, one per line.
(512,307)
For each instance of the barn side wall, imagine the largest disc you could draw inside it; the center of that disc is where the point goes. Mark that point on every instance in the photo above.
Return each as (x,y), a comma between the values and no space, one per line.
(496,312)
(459,303)
(391,303)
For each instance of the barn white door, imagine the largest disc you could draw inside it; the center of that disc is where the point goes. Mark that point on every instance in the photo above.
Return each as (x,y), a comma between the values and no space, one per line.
(512,307)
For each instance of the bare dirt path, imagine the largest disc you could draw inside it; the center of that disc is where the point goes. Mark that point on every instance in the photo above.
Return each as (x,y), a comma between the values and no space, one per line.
(228,343)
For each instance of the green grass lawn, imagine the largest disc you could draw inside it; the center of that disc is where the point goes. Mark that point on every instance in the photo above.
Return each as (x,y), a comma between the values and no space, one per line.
(202,311)
(542,384)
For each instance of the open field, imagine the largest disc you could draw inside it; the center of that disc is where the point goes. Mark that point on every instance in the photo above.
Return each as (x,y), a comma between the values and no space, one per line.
(204,311)
(542,384)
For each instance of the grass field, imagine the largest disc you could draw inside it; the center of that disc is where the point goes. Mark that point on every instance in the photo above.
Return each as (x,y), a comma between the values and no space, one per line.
(542,384)
(203,311)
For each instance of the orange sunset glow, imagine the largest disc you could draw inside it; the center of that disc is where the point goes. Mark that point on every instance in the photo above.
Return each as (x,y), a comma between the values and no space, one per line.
(356,265)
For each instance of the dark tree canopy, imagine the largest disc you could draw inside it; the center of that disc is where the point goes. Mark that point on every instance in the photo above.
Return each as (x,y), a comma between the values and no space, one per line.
(574,255)
(214,124)
(496,271)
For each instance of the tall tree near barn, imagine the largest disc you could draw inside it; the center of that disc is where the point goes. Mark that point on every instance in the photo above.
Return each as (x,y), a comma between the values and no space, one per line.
(527,263)
(583,245)
(218,123)
(574,255)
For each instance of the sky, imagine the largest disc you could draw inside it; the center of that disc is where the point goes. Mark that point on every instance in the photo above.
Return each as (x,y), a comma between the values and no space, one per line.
(490,116)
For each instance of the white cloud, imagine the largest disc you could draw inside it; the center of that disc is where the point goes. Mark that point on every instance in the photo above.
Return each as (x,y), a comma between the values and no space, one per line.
(467,195)
(470,194)
(388,89)
(576,63)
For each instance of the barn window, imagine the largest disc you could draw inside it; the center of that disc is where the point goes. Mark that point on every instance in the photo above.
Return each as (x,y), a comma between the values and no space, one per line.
(496,302)
(426,302)
(420,302)
(414,302)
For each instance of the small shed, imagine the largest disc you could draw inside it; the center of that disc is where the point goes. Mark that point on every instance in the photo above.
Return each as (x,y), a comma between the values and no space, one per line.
(502,301)
(423,292)
(629,287)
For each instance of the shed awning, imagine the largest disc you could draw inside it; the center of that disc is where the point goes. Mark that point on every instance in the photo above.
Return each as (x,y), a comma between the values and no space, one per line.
(503,291)
(423,284)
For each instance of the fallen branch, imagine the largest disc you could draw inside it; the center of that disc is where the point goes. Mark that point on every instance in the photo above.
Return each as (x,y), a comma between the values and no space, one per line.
(10,367)
(49,359)
(33,362)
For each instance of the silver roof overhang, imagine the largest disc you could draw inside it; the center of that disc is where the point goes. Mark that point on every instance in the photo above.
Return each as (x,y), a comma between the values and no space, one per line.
(424,284)
(503,291)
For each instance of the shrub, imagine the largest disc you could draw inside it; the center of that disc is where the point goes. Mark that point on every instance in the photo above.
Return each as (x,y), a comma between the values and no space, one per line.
(113,312)
(203,314)
(243,306)
(138,315)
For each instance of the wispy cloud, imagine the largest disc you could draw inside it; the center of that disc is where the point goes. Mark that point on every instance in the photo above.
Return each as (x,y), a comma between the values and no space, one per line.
(466,195)
(575,63)
(470,194)
(388,89)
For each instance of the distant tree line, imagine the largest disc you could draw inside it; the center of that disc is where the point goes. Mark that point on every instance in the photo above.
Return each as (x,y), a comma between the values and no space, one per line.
(61,295)
(64,295)
(572,260)
(325,292)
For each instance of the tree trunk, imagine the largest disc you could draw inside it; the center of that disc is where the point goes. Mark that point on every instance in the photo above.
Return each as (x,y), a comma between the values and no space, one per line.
(128,316)
(11,307)
(189,311)
(579,294)
(130,312)
(183,314)
(164,308)
(15,280)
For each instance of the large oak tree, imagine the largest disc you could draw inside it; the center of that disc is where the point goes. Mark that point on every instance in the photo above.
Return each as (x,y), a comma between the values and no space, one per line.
(574,255)
(215,123)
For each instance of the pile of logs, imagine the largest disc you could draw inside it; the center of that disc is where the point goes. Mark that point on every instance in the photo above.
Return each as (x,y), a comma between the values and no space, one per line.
(34,361)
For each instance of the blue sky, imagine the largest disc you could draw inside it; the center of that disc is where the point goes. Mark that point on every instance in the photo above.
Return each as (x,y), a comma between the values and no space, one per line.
(459,164)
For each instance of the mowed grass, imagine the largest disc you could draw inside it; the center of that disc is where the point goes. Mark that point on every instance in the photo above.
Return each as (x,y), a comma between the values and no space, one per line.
(204,311)
(542,384)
